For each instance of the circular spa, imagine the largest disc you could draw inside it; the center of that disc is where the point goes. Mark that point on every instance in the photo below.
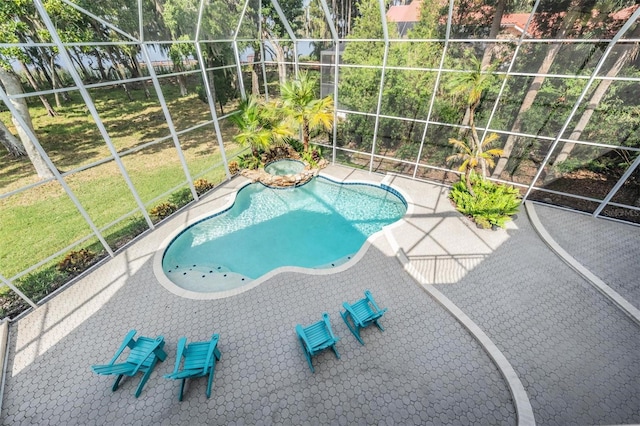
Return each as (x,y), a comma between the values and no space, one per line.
(320,225)
(284,167)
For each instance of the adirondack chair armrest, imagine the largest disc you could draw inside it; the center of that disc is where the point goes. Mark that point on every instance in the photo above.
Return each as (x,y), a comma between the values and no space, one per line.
(369,297)
(159,350)
(325,317)
(352,313)
(127,342)
(182,343)
(212,346)
(159,342)
(303,336)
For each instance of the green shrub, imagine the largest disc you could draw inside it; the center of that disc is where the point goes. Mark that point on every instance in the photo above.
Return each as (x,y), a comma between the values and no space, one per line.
(77,261)
(493,204)
(163,210)
(296,144)
(316,153)
(313,156)
(248,161)
(120,234)
(180,198)
(569,165)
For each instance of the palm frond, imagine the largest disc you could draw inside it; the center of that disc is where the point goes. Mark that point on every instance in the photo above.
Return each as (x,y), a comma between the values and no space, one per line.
(461,145)
(491,138)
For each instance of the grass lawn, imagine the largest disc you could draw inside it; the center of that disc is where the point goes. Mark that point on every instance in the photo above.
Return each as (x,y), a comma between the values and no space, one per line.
(41,221)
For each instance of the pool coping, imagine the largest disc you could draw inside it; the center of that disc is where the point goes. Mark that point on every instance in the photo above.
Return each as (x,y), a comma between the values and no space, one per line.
(196,295)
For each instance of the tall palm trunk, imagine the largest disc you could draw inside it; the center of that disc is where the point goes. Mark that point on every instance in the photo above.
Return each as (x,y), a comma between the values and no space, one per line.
(467,180)
(501,5)
(488,51)
(305,134)
(532,93)
(596,97)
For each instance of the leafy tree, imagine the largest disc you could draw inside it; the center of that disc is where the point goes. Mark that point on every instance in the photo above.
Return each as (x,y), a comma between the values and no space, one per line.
(260,126)
(560,19)
(299,101)
(405,93)
(274,31)
(624,56)
(473,152)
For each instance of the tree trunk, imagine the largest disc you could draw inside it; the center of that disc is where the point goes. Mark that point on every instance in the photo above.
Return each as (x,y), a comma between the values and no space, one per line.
(467,181)
(34,84)
(532,93)
(182,81)
(101,70)
(115,68)
(255,81)
(138,73)
(12,86)
(212,87)
(280,58)
(13,145)
(76,57)
(488,53)
(42,68)
(65,95)
(182,84)
(305,134)
(54,86)
(493,32)
(596,97)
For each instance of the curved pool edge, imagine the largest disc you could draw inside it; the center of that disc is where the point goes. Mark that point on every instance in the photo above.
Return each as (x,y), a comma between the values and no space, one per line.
(196,295)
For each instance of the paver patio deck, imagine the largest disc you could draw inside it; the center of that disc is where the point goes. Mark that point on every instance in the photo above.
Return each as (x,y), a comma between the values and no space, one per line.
(576,354)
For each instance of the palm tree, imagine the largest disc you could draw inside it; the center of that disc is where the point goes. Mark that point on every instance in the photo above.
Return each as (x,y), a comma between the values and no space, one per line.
(472,155)
(472,152)
(472,85)
(300,103)
(260,126)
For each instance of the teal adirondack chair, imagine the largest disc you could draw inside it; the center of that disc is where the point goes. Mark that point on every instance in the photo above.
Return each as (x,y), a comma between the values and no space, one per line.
(144,354)
(199,360)
(362,314)
(317,337)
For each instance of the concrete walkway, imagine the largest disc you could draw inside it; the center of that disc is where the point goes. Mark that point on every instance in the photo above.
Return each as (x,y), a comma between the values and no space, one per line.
(576,354)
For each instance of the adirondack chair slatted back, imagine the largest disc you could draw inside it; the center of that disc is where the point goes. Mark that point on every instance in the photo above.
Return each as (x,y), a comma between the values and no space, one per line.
(317,337)
(362,314)
(142,353)
(198,359)
(195,357)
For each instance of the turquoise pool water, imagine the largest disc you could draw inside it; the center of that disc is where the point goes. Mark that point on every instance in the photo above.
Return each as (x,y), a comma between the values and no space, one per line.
(284,167)
(321,224)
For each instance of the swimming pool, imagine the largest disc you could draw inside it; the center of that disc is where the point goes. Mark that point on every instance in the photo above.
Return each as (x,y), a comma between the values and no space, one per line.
(319,225)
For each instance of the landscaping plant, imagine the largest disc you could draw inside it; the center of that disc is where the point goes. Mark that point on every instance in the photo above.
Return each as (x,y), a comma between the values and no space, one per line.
(491,205)
(163,210)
